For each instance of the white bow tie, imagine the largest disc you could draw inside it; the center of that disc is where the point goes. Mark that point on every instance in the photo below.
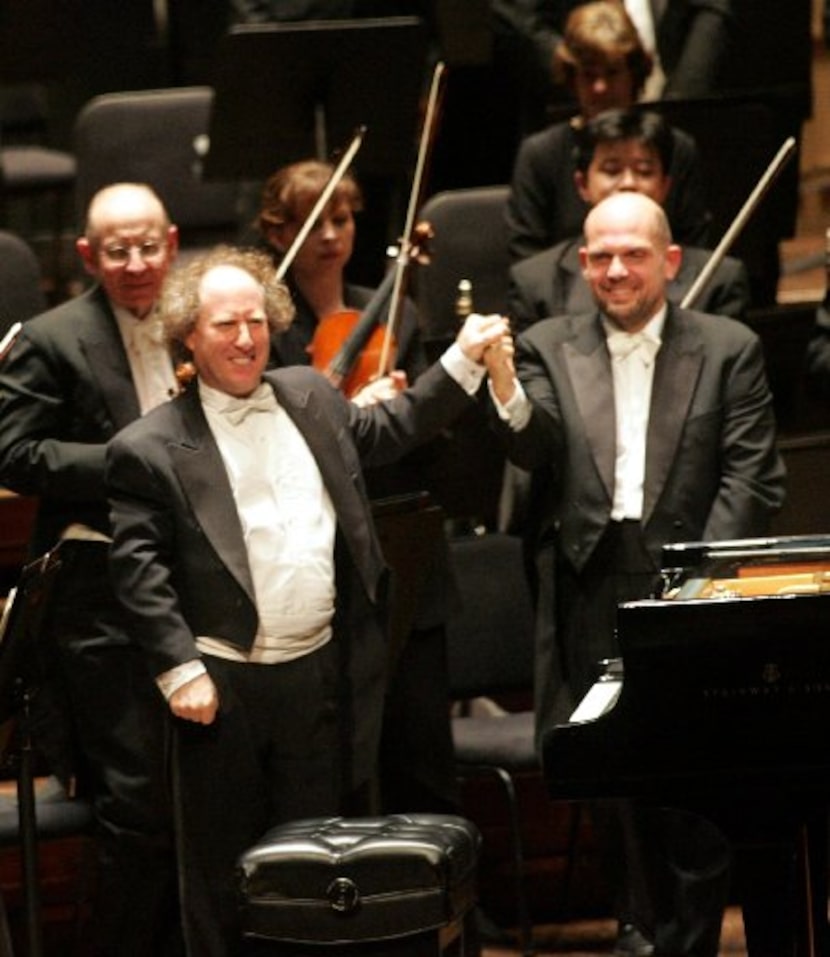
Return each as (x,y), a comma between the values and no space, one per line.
(622,344)
(262,399)
(146,335)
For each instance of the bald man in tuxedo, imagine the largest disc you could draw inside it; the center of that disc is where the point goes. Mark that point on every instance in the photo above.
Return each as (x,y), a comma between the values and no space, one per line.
(644,423)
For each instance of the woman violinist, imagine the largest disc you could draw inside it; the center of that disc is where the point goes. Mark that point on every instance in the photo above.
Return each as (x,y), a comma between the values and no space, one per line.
(316,275)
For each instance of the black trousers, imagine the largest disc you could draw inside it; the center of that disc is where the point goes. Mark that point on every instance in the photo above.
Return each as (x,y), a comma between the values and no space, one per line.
(272,755)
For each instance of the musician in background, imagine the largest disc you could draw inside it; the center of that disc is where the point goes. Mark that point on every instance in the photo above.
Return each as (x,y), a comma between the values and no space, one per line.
(317,274)
(417,766)
(689,40)
(245,552)
(619,151)
(603,61)
(75,376)
(646,424)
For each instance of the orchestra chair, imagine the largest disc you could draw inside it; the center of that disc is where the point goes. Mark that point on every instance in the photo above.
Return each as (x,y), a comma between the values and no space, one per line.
(30,170)
(42,808)
(470,242)
(158,137)
(21,287)
(490,654)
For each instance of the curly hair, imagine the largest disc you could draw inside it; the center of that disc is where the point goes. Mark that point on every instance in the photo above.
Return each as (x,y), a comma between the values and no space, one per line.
(291,187)
(601,33)
(179,302)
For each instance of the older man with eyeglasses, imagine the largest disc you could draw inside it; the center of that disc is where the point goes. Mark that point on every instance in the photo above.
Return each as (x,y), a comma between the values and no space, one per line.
(74,376)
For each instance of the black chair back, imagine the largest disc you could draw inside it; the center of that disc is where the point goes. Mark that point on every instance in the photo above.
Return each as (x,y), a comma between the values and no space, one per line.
(490,635)
(156,137)
(21,291)
(470,243)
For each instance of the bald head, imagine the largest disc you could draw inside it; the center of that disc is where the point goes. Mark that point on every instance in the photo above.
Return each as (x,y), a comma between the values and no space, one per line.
(123,203)
(631,212)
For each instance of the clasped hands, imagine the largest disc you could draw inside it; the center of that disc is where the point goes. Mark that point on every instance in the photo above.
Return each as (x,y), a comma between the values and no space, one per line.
(487,340)
(483,339)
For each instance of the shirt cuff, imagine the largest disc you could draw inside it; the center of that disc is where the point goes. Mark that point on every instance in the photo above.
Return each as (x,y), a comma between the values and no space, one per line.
(516,411)
(466,372)
(169,682)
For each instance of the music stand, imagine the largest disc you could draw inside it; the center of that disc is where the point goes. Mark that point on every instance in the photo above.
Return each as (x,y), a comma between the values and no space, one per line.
(22,650)
(20,625)
(288,91)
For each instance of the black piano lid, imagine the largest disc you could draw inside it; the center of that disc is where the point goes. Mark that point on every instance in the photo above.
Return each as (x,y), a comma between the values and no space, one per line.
(781,548)
(681,561)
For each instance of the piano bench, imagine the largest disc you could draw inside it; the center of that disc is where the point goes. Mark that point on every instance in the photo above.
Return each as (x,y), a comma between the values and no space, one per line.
(401,885)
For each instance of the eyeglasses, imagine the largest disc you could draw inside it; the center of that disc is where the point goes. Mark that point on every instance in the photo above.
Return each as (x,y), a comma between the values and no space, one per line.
(147,251)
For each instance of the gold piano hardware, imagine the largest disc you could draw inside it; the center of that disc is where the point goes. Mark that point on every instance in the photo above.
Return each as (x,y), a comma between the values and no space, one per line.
(796,584)
(754,585)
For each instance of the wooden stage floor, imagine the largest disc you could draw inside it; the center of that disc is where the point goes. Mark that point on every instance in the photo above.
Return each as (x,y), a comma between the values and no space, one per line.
(595,938)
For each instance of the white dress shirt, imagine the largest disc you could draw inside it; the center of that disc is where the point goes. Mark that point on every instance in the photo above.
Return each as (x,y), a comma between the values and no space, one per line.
(150,363)
(288,521)
(642,15)
(632,370)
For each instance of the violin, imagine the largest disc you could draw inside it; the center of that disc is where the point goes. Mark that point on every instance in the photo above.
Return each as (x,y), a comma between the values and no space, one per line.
(352,350)
(348,346)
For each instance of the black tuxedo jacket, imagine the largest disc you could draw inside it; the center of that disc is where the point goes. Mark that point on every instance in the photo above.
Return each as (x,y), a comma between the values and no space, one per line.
(65,390)
(551,284)
(712,468)
(178,557)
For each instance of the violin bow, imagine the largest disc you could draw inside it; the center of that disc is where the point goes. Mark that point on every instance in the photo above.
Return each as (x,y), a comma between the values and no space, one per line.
(409,226)
(785,152)
(320,205)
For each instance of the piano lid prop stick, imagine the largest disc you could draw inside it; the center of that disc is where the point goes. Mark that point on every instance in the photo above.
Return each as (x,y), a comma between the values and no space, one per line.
(786,151)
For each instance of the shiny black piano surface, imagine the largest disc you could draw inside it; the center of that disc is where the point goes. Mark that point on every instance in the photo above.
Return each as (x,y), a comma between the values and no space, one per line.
(730,691)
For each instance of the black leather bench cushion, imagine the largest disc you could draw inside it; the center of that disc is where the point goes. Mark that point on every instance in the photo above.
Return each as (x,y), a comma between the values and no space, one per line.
(339,880)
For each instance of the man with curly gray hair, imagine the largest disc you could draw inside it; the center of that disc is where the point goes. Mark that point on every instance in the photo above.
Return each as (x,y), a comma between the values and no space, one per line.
(245,553)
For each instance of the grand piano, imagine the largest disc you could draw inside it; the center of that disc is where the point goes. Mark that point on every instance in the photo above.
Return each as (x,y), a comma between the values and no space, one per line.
(720,701)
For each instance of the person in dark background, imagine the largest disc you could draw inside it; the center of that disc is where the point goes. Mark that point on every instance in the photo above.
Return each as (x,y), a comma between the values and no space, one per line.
(693,39)
(75,375)
(317,274)
(619,151)
(603,62)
